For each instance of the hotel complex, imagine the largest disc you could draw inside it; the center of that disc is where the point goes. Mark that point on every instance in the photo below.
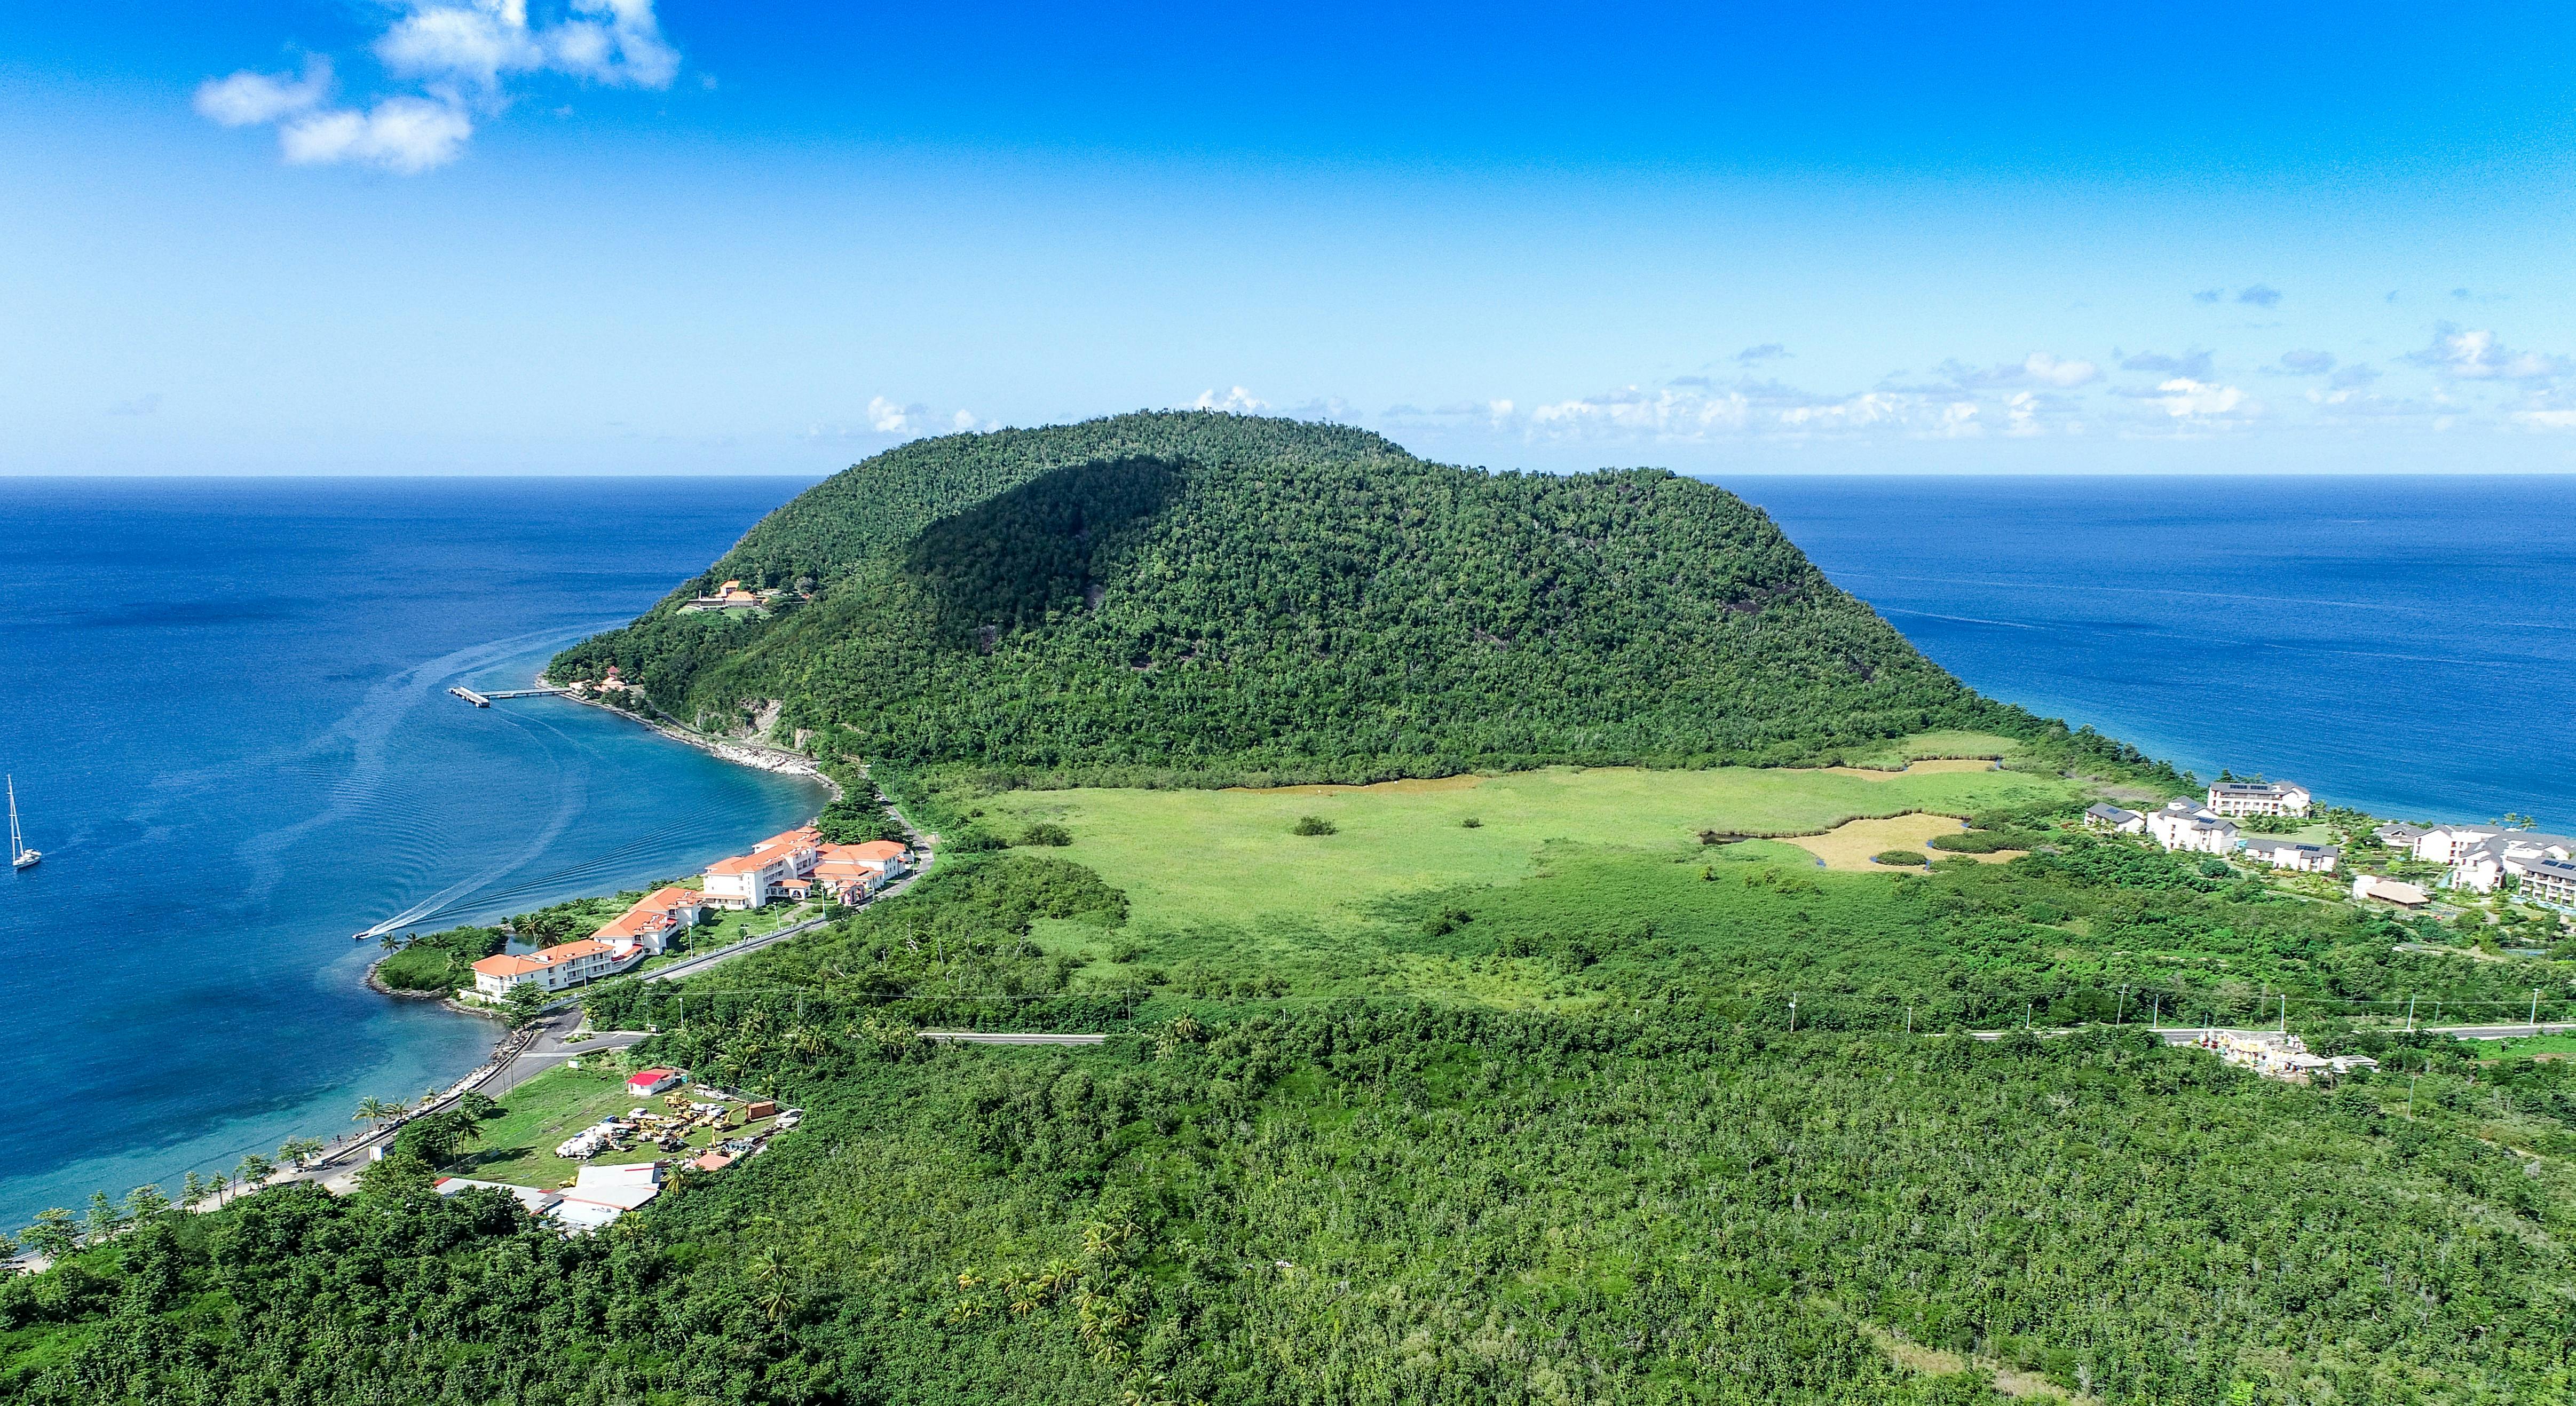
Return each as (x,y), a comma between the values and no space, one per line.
(795,866)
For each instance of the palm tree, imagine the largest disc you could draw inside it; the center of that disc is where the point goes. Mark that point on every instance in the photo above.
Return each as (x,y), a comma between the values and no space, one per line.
(254,1169)
(296,1151)
(376,1111)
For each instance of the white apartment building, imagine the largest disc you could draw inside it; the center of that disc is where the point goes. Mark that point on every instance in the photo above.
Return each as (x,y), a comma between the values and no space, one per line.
(2510,854)
(2551,881)
(2259,798)
(550,968)
(2299,856)
(2184,826)
(774,867)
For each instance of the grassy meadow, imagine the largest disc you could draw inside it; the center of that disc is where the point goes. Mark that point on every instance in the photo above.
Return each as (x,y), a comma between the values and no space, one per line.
(1188,857)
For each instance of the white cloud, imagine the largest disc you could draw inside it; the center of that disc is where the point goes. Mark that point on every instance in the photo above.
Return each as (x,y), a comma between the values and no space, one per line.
(887,417)
(616,42)
(459,54)
(247,99)
(2065,375)
(2476,355)
(2546,419)
(1237,401)
(2187,399)
(403,135)
(963,420)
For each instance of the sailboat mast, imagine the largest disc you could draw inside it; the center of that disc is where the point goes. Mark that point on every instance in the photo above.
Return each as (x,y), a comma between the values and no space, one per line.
(16,845)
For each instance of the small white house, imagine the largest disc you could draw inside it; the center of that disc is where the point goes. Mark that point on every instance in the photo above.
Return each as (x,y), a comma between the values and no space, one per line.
(2259,798)
(2298,856)
(2106,816)
(2184,826)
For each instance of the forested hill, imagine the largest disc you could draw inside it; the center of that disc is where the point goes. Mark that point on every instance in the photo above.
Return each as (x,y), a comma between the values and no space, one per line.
(1224,597)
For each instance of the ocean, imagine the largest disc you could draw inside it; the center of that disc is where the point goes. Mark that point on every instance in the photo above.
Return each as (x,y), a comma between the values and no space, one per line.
(2404,645)
(224,703)
(225,706)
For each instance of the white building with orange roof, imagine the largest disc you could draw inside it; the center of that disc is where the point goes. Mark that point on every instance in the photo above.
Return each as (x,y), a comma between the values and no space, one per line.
(549,969)
(778,867)
(652,922)
(850,873)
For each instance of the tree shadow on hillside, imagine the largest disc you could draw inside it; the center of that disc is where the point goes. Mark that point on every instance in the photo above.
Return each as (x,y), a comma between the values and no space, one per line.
(1032,555)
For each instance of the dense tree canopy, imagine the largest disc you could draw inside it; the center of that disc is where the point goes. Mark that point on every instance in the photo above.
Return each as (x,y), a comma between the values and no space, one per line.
(1212,595)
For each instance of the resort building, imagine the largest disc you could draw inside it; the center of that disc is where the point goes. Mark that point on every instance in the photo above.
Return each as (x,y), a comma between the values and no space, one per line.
(2184,826)
(2259,798)
(2398,835)
(2449,844)
(649,925)
(548,969)
(2551,882)
(2388,891)
(2296,855)
(777,867)
(2509,854)
(850,873)
(2106,816)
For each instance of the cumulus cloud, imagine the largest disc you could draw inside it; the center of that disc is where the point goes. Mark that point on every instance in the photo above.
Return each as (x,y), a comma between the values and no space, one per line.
(888,417)
(2546,419)
(616,42)
(2187,399)
(2475,355)
(1237,401)
(247,99)
(2260,295)
(459,54)
(403,135)
(2065,374)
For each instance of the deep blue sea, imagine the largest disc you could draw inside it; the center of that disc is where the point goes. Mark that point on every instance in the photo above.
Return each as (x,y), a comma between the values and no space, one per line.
(224,703)
(225,706)
(2404,645)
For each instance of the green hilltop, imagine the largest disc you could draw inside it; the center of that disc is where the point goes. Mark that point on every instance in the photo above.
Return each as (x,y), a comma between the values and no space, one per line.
(1219,597)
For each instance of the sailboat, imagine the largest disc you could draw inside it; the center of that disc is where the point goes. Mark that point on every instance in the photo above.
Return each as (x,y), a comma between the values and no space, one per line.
(20,857)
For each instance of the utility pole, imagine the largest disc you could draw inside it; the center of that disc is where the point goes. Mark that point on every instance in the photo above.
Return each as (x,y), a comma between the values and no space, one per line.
(1909,1017)
(1793,1012)
(2535,1010)
(2410,1029)
(2025,1015)
(2120,1014)
(2156,1014)
(2285,1012)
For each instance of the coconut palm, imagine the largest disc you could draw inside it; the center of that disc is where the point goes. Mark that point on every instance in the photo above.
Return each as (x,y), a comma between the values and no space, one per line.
(376,1111)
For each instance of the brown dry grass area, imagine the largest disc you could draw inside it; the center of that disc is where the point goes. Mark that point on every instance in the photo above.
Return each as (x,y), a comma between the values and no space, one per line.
(1848,846)
(1926,767)
(1933,1362)
(1407,787)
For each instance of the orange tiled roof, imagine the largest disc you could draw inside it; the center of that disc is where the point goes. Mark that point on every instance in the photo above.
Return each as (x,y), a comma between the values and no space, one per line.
(507,965)
(874,849)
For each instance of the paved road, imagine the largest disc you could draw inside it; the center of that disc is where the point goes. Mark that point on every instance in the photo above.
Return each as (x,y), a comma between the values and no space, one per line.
(1010,1037)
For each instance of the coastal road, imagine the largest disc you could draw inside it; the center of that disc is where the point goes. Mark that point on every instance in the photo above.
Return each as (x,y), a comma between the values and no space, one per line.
(1011,1037)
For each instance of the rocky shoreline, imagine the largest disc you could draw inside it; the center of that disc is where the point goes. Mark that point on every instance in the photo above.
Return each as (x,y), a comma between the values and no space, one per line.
(778,760)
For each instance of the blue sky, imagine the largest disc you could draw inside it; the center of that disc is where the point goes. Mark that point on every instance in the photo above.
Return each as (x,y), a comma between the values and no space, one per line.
(621,236)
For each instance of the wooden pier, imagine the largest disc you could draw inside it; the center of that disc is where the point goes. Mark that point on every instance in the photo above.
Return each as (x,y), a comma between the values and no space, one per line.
(485,700)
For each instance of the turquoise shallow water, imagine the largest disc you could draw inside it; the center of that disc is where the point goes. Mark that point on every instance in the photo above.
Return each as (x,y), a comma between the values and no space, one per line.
(226,711)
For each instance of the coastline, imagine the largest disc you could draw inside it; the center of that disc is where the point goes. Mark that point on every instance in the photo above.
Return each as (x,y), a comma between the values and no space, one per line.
(759,756)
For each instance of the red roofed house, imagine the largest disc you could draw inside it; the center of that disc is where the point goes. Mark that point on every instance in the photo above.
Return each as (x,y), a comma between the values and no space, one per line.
(774,866)
(549,969)
(650,1081)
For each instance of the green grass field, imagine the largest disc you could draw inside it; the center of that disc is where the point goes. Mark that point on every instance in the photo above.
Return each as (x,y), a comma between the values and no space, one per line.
(1188,857)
